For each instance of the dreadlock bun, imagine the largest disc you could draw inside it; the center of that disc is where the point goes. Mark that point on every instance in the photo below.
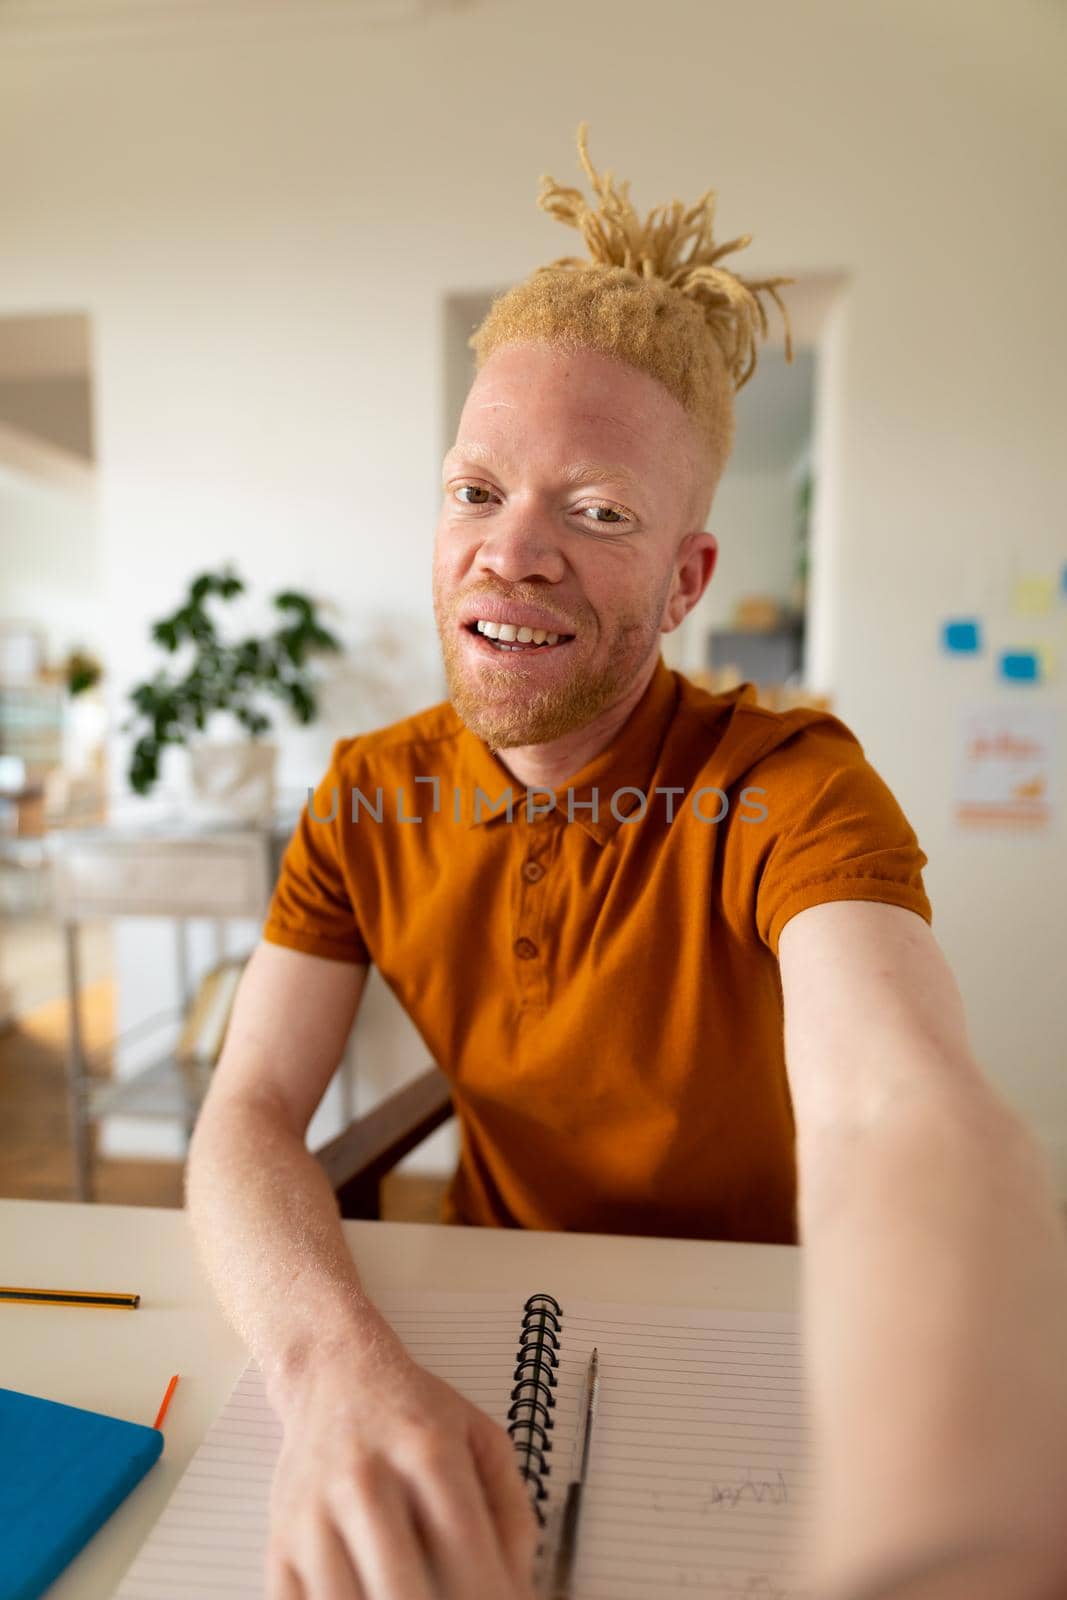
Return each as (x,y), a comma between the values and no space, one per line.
(682,318)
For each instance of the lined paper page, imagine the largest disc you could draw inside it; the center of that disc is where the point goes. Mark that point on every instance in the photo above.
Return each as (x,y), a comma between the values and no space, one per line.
(698,1465)
(699,1460)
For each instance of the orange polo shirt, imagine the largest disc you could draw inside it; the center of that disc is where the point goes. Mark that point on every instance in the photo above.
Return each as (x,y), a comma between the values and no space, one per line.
(601,987)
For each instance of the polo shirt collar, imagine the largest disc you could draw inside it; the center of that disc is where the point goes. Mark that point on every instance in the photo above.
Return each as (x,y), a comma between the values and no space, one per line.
(627,763)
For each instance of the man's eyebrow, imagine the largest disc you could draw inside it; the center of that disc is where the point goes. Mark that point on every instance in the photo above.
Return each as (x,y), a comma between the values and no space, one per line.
(578,472)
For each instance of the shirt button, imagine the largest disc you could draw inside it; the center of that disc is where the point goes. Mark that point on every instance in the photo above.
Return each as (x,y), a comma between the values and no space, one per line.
(532,870)
(525,949)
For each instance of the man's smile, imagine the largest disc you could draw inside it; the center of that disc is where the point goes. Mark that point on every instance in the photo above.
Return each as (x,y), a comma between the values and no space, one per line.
(505,639)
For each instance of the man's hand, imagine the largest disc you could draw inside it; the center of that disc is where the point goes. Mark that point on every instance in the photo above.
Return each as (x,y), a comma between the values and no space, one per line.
(391,1486)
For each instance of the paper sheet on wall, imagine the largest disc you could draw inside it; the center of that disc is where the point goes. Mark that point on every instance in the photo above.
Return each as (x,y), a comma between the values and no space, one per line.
(1006,767)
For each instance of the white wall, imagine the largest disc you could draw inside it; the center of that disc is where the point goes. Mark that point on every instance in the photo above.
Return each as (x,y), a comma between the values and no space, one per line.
(264,227)
(50,563)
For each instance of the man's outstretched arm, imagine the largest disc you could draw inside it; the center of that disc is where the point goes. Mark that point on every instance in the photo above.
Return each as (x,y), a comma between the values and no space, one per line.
(934,1275)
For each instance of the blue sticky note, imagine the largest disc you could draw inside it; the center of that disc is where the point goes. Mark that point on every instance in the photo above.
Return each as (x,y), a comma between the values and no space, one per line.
(62,1473)
(1021,666)
(962,637)
(1063,580)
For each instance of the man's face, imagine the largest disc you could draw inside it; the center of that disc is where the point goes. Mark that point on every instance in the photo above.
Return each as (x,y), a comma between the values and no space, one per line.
(607,563)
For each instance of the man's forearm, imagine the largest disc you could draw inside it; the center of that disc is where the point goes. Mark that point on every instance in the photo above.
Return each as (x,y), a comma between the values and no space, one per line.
(935,1314)
(267,1228)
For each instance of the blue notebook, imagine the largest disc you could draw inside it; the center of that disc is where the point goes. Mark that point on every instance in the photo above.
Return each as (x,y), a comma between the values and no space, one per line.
(62,1473)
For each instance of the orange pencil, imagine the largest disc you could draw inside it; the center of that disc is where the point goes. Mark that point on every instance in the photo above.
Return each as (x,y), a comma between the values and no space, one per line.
(171,1386)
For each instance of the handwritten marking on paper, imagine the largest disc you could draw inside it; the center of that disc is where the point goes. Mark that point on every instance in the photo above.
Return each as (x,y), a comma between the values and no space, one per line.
(774,1491)
(727,1586)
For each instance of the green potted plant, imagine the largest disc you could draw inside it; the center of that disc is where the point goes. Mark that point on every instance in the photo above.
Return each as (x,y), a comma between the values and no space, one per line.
(232,779)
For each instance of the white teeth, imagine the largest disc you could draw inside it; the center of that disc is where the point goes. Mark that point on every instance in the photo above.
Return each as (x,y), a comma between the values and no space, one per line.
(509,632)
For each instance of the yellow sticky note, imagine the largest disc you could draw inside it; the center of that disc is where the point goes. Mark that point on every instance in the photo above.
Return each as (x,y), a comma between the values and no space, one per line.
(1034,596)
(1048,660)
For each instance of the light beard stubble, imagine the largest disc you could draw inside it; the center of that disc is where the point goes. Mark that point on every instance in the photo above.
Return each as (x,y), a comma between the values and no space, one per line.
(526,716)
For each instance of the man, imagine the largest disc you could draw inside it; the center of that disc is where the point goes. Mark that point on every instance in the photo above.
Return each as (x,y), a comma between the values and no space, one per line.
(691,960)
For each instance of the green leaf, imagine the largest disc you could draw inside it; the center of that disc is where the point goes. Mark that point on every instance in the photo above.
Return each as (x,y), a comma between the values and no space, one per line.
(302,701)
(323,639)
(166,634)
(144,765)
(292,600)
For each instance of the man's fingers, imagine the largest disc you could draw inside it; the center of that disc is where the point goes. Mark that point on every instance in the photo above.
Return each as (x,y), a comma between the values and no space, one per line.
(508,1500)
(283,1583)
(457,1531)
(377,1523)
(326,1566)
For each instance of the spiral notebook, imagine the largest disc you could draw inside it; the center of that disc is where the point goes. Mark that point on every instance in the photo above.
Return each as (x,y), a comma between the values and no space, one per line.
(698,1470)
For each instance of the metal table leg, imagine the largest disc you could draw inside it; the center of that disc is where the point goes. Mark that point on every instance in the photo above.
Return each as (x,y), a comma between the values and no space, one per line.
(185,987)
(77,1086)
(185,1000)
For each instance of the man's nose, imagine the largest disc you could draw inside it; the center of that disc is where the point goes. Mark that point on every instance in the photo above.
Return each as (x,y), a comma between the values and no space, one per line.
(520,547)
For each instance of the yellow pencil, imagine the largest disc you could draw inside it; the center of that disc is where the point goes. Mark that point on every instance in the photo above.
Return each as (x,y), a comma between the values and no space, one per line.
(69,1297)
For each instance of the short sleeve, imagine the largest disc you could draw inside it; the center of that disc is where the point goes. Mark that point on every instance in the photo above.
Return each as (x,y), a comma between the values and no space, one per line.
(835,831)
(311,908)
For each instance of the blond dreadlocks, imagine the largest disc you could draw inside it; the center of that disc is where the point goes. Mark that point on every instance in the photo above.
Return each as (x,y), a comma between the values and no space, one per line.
(685,320)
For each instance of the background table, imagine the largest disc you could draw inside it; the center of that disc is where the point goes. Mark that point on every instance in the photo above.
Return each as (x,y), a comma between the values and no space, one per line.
(120,1361)
(154,869)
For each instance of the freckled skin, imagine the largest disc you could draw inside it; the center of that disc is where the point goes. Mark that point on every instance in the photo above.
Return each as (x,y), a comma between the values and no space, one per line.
(521,533)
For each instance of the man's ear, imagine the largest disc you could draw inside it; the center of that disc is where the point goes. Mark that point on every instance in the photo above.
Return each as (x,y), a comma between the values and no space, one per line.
(694,563)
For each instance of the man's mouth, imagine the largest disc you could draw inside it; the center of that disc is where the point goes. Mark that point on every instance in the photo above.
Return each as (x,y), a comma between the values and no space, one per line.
(502,637)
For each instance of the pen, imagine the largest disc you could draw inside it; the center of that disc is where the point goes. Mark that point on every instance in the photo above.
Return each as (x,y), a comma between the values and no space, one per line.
(568,1538)
(69,1297)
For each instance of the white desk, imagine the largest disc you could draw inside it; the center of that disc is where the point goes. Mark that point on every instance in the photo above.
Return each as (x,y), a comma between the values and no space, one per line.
(120,1361)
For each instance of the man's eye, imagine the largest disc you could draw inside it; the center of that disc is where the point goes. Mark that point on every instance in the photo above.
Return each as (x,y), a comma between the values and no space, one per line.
(614,518)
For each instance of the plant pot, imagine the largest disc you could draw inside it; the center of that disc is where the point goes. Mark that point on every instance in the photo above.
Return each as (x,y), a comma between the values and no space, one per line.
(232,780)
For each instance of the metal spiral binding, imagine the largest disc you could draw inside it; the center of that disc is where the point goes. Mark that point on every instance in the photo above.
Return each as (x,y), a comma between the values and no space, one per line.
(532,1399)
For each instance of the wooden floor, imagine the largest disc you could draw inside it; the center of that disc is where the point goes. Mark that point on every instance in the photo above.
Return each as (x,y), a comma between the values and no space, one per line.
(35,1159)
